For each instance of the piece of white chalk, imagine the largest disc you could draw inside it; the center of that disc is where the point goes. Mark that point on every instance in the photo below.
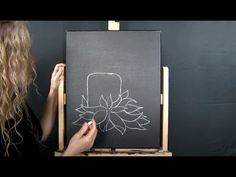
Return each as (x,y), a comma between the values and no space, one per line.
(90,123)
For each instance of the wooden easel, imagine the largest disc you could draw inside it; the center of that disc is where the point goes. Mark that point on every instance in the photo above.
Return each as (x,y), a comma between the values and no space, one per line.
(164,95)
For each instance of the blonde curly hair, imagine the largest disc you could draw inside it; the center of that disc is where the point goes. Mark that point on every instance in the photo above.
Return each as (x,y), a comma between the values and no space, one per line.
(16,69)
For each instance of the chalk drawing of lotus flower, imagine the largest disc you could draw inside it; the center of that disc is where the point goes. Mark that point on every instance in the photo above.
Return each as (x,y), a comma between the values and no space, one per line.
(113,109)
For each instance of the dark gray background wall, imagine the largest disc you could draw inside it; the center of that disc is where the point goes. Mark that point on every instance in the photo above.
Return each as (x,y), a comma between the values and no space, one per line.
(201,56)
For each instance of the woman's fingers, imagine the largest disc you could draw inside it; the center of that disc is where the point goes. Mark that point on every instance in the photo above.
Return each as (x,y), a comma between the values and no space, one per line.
(83,130)
(57,68)
(96,131)
(92,133)
(58,74)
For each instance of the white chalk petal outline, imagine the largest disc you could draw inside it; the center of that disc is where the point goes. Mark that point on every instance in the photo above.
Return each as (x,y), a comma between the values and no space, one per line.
(114,107)
(102,101)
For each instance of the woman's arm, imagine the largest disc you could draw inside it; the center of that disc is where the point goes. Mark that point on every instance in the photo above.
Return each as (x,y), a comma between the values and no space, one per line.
(84,139)
(47,117)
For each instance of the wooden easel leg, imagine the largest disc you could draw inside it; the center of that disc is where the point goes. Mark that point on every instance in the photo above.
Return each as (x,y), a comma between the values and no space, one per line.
(165,110)
(61,119)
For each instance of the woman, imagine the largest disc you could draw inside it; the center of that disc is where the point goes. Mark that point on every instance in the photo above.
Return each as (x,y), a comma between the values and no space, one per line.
(20,131)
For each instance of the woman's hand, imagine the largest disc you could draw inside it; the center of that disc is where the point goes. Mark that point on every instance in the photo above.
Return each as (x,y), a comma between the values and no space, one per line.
(57,76)
(82,140)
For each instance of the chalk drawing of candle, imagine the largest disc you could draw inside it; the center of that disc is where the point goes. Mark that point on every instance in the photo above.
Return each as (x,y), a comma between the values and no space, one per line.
(110,107)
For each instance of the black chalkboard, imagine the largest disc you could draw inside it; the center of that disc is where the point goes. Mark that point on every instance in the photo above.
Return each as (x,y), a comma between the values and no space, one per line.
(114,76)
(201,56)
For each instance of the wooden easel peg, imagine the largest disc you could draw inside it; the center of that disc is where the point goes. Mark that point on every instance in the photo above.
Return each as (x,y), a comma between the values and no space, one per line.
(113,25)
